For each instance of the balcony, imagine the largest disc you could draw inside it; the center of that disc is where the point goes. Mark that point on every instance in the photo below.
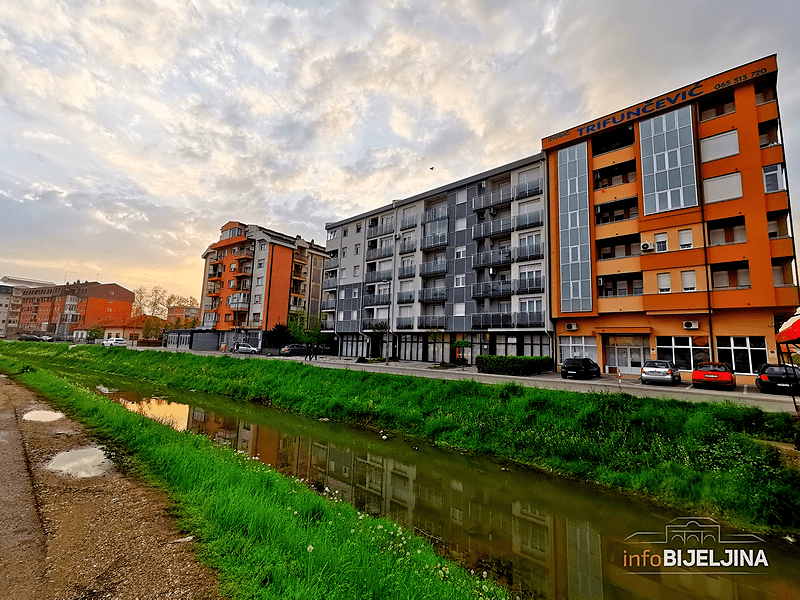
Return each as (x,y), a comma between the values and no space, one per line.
(408,222)
(328,305)
(382,252)
(433,294)
(373,276)
(406,271)
(408,246)
(380,324)
(331,263)
(432,322)
(330,284)
(405,323)
(492,258)
(433,241)
(213,290)
(405,297)
(493,320)
(492,289)
(494,199)
(529,319)
(244,272)
(215,274)
(529,252)
(436,267)
(382,229)
(493,228)
(377,299)
(301,256)
(326,325)
(434,214)
(528,220)
(529,188)
(239,306)
(530,285)
(247,254)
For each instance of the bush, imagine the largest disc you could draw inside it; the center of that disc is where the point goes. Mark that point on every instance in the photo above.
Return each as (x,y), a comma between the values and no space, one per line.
(514,365)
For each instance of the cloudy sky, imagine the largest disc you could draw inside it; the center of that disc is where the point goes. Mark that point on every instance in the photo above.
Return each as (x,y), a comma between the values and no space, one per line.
(131,130)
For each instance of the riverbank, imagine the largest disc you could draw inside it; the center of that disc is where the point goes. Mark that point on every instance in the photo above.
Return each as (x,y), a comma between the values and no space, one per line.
(699,456)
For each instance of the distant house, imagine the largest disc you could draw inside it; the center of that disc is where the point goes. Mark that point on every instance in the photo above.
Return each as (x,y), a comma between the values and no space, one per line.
(131,329)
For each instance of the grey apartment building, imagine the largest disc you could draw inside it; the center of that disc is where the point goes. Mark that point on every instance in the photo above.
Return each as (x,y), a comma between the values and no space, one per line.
(466,261)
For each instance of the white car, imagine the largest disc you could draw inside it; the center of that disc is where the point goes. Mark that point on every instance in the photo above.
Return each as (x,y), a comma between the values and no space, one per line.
(114,342)
(245,349)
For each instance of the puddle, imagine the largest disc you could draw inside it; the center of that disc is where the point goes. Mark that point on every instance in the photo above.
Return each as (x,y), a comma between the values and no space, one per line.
(86,462)
(43,416)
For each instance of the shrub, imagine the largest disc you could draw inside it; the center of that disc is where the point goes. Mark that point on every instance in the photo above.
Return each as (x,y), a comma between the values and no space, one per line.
(513,365)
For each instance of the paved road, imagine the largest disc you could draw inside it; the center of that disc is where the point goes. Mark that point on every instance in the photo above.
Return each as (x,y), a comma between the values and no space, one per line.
(629,384)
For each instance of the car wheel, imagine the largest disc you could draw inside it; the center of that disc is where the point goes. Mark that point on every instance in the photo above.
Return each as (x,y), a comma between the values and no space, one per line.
(563,375)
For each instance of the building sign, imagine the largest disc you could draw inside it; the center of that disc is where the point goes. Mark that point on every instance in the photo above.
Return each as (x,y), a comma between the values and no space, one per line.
(666,101)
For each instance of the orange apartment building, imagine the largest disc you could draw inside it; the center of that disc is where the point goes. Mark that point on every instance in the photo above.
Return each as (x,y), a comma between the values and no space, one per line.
(671,232)
(61,309)
(254,278)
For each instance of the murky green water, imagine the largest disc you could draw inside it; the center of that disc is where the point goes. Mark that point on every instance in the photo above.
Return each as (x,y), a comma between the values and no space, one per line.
(542,536)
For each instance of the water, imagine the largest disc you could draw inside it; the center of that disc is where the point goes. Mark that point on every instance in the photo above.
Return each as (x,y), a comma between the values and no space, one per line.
(539,535)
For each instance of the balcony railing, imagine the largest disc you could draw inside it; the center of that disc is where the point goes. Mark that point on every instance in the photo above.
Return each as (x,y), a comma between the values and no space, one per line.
(432,322)
(240,306)
(527,220)
(330,283)
(382,252)
(377,299)
(408,222)
(433,241)
(487,320)
(374,324)
(331,263)
(434,214)
(405,323)
(530,285)
(406,271)
(492,289)
(215,273)
(373,276)
(328,305)
(408,246)
(492,258)
(529,188)
(433,294)
(490,228)
(405,297)
(529,319)
(213,290)
(436,267)
(247,254)
(382,229)
(326,325)
(243,272)
(506,194)
(529,252)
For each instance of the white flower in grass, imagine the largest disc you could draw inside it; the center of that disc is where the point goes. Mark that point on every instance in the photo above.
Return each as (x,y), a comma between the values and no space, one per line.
(310,548)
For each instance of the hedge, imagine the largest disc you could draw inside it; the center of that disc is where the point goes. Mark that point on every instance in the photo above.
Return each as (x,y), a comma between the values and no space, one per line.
(514,365)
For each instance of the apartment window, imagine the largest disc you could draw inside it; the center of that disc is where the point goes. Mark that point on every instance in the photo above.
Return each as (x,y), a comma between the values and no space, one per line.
(720,146)
(344,232)
(461,252)
(355,292)
(257,298)
(744,354)
(664,283)
(685,239)
(573,218)
(461,224)
(461,196)
(661,242)
(459,309)
(341,315)
(257,317)
(343,273)
(357,249)
(260,264)
(228,318)
(341,294)
(358,228)
(333,234)
(233,267)
(773,179)
(726,187)
(638,287)
(688,281)
(259,281)
(460,280)
(353,315)
(263,245)
(344,252)
(231,284)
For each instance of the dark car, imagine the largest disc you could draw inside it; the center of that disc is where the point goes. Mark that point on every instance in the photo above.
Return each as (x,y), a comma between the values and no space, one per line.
(715,374)
(779,379)
(29,337)
(580,368)
(293,350)
(660,371)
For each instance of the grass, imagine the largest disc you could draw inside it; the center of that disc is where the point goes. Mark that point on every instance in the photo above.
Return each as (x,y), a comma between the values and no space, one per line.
(268,536)
(692,455)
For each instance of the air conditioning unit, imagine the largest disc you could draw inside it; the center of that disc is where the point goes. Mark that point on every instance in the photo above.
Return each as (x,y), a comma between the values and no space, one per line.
(691,324)
(493,211)
(599,282)
(597,209)
(483,185)
(647,246)
(572,327)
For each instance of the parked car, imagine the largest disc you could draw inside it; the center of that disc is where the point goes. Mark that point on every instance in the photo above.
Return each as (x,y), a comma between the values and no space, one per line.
(779,379)
(660,371)
(29,337)
(715,374)
(581,368)
(114,342)
(244,348)
(293,350)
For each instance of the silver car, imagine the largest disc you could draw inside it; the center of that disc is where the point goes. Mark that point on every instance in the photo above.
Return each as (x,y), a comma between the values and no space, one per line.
(660,371)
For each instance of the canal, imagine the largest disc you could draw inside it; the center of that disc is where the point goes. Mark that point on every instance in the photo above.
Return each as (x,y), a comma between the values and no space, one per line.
(539,535)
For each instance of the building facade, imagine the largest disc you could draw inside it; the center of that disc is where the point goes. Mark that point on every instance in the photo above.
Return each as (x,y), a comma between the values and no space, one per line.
(61,309)
(254,278)
(184,313)
(466,261)
(671,228)
(11,302)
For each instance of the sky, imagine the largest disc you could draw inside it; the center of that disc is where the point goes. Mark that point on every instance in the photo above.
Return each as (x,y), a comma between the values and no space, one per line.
(132,130)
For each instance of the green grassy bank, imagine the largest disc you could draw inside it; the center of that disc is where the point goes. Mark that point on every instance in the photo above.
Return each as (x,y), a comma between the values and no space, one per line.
(268,536)
(693,455)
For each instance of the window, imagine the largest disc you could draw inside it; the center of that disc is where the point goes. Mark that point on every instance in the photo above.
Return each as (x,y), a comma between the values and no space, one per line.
(357,249)
(459,309)
(257,298)
(661,242)
(263,246)
(341,294)
(356,270)
(461,252)
(233,267)
(664,283)
(685,239)
(341,315)
(228,318)
(726,187)
(743,354)
(773,179)
(461,196)
(358,228)
(257,317)
(355,292)
(260,264)
(344,252)
(686,352)
(577,347)
(353,315)
(344,232)
(688,281)
(720,146)
(333,234)
(231,284)
(461,224)
(343,273)
(259,281)
(460,280)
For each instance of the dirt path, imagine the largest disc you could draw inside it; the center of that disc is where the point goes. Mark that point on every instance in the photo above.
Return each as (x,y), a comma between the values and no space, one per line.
(81,538)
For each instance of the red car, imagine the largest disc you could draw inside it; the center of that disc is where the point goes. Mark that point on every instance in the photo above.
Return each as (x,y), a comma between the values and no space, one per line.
(715,374)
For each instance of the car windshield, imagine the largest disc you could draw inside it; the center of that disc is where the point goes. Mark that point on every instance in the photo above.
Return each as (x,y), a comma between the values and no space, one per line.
(712,367)
(781,369)
(659,364)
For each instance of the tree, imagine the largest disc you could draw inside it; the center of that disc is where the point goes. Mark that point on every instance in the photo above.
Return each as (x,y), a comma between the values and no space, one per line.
(140,301)
(176,300)
(278,336)
(157,302)
(304,331)
(151,327)
(94,333)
